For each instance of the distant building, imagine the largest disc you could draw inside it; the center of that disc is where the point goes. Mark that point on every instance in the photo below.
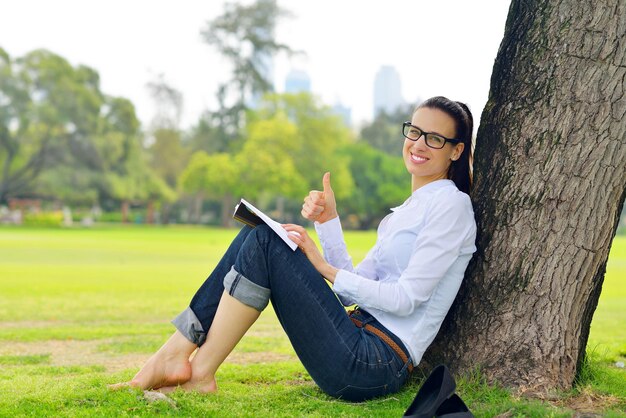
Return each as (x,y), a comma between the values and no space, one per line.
(297,81)
(387,90)
(344,112)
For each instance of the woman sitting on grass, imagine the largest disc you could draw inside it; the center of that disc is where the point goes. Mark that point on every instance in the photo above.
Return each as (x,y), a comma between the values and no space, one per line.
(404,287)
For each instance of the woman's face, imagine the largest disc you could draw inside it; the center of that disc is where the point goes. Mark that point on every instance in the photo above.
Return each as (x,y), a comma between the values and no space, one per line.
(428,164)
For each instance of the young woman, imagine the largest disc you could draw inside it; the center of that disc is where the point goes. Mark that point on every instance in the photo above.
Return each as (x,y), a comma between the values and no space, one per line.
(404,286)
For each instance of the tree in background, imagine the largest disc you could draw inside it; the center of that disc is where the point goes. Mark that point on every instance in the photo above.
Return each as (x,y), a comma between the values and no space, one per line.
(168,102)
(289,142)
(320,134)
(268,170)
(385,130)
(380,183)
(550,181)
(126,175)
(244,36)
(47,111)
(214,177)
(62,138)
(167,154)
(205,136)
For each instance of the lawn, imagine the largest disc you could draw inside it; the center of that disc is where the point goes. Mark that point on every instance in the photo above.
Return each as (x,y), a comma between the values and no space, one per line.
(81,308)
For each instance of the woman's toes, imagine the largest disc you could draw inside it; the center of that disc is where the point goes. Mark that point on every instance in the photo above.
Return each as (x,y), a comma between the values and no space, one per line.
(118,386)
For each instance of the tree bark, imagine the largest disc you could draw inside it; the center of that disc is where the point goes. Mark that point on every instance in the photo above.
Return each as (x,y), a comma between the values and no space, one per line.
(550,181)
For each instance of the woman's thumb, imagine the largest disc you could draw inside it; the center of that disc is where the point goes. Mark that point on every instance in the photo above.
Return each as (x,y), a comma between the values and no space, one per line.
(326,180)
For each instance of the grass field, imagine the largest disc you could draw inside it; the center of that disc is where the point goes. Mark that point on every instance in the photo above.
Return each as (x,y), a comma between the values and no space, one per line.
(81,308)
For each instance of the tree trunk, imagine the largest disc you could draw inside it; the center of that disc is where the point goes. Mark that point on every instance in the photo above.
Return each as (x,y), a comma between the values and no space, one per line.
(228,207)
(196,214)
(125,210)
(150,212)
(550,180)
(165,213)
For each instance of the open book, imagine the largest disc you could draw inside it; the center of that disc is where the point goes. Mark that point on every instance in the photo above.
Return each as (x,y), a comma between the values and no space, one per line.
(249,215)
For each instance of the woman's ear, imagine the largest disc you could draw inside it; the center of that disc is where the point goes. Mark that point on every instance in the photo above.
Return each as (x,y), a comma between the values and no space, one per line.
(458,151)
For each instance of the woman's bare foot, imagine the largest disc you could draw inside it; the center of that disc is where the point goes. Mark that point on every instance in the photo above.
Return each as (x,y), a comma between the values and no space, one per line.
(169,366)
(159,372)
(201,386)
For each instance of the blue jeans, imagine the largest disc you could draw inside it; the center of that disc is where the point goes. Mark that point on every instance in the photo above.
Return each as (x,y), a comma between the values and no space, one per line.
(344,360)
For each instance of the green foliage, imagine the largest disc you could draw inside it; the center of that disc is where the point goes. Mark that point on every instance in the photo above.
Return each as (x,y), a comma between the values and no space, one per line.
(112,217)
(385,131)
(61,137)
(319,136)
(381,182)
(288,144)
(210,175)
(206,135)
(244,35)
(265,161)
(70,185)
(43,218)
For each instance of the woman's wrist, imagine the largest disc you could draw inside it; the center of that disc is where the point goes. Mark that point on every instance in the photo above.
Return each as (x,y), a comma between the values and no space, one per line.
(330,217)
(329,272)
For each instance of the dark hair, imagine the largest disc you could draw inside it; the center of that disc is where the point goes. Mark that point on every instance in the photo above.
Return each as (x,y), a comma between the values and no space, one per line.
(460,171)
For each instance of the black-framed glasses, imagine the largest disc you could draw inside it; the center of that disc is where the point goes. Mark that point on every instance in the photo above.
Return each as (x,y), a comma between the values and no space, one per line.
(433,140)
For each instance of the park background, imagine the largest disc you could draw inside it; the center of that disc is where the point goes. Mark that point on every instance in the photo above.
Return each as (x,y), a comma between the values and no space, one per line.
(107,179)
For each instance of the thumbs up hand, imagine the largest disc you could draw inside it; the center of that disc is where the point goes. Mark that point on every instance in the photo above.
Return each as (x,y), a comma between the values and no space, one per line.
(320,206)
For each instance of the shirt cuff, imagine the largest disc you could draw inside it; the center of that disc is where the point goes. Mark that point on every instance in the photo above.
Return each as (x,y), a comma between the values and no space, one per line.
(347,285)
(330,232)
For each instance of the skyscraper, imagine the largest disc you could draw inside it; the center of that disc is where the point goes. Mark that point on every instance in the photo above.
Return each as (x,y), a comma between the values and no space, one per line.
(387,90)
(343,111)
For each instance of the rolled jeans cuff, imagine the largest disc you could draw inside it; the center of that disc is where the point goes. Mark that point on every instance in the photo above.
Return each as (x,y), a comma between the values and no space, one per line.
(189,325)
(246,291)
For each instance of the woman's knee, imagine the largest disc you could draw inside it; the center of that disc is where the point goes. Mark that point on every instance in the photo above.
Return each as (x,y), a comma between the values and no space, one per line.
(268,240)
(263,233)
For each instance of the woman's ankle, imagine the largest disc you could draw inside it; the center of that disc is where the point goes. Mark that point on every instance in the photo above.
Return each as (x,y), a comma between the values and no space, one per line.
(176,347)
(205,385)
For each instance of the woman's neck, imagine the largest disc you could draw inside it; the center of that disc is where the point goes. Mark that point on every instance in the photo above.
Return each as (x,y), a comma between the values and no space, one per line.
(417,182)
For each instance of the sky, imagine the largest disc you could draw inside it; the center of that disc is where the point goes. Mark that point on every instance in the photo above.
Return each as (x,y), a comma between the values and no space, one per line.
(443,47)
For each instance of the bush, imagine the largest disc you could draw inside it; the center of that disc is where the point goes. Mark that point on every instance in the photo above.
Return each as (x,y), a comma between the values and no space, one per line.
(110,217)
(136,216)
(44,218)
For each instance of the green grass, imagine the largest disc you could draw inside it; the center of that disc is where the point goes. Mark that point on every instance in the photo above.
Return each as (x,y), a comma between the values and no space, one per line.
(81,308)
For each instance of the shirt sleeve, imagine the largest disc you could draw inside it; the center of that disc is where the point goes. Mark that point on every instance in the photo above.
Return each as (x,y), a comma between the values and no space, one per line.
(448,226)
(336,254)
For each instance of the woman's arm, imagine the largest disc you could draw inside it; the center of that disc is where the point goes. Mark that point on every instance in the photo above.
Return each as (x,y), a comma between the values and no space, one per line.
(448,233)
(336,252)
(306,244)
(321,208)
(300,236)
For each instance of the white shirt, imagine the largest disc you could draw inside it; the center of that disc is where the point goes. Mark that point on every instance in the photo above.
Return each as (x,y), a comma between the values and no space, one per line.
(411,276)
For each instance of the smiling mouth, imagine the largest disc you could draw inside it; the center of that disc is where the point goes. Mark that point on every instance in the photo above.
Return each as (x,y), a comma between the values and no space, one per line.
(418,159)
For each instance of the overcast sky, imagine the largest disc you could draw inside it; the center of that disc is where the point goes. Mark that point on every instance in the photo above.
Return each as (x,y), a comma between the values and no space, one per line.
(441,47)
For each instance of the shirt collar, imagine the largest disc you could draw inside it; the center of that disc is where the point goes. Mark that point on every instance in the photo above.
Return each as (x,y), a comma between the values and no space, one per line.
(429,188)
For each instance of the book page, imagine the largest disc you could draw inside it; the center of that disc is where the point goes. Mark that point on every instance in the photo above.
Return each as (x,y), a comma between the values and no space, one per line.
(276,227)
